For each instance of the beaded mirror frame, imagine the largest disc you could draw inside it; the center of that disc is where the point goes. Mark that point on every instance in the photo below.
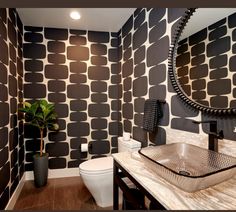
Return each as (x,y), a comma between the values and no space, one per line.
(173,76)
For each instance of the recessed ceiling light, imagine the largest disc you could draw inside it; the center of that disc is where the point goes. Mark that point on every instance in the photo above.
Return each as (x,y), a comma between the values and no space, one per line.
(75,15)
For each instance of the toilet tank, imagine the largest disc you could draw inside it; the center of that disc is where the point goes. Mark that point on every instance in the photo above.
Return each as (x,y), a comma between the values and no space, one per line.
(128,146)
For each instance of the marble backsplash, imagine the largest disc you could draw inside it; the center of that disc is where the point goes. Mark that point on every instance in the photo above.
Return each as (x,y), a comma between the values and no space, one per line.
(176,136)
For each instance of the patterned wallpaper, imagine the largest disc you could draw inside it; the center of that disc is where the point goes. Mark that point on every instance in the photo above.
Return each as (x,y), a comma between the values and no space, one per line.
(77,70)
(206,64)
(98,81)
(11,95)
(146,38)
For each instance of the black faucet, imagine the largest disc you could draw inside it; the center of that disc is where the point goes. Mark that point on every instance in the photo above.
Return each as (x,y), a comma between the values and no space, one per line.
(213,135)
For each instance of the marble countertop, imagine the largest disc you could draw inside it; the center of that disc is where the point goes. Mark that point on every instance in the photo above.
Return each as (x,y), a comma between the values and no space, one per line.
(221,196)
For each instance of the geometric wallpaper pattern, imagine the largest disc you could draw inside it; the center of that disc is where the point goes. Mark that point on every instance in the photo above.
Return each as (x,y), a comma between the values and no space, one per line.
(206,63)
(98,81)
(146,38)
(77,71)
(11,96)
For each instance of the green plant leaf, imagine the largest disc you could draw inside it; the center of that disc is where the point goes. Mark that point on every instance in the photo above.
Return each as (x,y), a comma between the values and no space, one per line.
(26,104)
(34,108)
(43,103)
(28,117)
(53,127)
(24,110)
(40,114)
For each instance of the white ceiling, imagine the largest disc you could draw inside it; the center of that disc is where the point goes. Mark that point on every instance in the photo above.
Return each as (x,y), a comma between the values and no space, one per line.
(95,19)
(204,17)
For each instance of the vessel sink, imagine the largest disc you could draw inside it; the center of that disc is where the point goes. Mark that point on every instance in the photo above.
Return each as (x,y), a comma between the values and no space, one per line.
(189,167)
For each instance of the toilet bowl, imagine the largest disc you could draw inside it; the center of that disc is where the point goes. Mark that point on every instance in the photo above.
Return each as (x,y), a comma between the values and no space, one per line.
(97,174)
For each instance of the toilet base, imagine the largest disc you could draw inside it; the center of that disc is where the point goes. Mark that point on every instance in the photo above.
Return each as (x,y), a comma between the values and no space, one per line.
(102,205)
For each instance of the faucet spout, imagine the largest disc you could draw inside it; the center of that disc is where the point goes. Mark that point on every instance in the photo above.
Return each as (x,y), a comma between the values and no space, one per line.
(213,135)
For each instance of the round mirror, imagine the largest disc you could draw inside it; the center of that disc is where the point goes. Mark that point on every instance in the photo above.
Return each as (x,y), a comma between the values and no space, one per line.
(203,59)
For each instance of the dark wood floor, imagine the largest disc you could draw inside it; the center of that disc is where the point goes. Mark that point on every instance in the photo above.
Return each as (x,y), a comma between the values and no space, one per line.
(59,194)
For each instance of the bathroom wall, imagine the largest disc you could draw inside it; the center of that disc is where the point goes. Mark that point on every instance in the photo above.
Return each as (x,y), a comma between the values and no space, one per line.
(77,70)
(206,64)
(98,81)
(11,96)
(146,38)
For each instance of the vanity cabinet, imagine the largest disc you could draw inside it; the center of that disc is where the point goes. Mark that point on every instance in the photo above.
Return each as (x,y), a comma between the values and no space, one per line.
(219,197)
(119,174)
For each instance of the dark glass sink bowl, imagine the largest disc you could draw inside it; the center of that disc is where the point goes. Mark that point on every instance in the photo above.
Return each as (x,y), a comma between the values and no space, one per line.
(189,167)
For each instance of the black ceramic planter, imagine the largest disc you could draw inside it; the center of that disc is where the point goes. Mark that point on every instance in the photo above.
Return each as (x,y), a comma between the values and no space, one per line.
(40,170)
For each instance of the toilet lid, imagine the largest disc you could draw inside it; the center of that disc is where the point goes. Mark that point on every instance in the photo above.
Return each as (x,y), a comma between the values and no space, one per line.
(97,165)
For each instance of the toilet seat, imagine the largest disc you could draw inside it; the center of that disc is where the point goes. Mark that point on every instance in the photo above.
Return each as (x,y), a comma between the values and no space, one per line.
(97,166)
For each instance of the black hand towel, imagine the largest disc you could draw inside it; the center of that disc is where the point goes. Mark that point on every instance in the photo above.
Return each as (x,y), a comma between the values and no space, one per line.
(152,114)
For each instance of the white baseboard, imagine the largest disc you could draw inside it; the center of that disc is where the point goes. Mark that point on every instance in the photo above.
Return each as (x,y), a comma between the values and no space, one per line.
(16,194)
(56,173)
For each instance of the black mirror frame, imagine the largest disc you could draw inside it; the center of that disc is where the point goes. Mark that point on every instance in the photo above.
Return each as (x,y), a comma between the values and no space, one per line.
(172,70)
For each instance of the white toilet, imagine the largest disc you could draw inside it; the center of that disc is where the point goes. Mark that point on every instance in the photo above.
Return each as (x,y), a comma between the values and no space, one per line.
(97,174)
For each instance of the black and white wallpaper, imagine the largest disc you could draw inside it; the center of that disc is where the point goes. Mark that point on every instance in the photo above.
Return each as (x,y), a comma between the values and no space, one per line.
(206,63)
(11,96)
(98,82)
(78,71)
(146,38)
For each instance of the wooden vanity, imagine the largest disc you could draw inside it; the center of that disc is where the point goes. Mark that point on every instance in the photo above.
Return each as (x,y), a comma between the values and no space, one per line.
(155,188)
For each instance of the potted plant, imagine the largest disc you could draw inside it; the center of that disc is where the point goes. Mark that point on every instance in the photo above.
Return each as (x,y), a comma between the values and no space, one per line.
(40,114)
